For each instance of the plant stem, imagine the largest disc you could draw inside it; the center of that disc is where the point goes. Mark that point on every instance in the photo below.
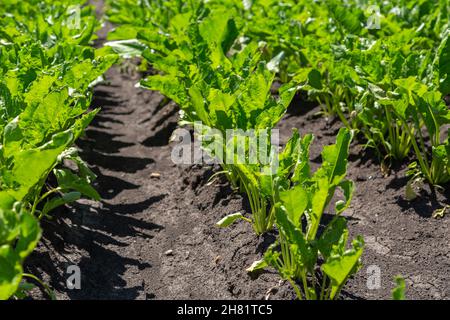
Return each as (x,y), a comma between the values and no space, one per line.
(322,290)
(45,195)
(297,290)
(47,289)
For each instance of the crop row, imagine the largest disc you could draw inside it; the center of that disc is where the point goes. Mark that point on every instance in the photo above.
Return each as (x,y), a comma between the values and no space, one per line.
(386,84)
(47,69)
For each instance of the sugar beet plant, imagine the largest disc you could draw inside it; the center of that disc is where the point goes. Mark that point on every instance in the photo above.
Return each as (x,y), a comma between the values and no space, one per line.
(310,253)
(47,69)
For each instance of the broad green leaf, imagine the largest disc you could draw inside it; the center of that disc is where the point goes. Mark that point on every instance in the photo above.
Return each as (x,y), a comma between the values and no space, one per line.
(302,170)
(331,236)
(69,181)
(10,272)
(219,32)
(199,105)
(295,201)
(169,86)
(321,195)
(335,158)
(349,20)
(348,187)
(340,267)
(315,79)
(289,156)
(31,166)
(9,219)
(30,233)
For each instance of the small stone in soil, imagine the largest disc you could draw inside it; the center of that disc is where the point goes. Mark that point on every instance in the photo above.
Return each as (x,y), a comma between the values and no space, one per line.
(169,253)
(155,175)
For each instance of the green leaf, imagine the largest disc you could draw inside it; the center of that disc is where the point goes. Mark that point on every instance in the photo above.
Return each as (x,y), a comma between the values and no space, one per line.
(257,265)
(331,236)
(229,219)
(219,32)
(444,65)
(9,219)
(295,201)
(289,156)
(60,201)
(31,166)
(350,20)
(348,187)
(306,255)
(68,181)
(19,234)
(335,158)
(302,171)
(30,233)
(315,79)
(127,48)
(339,267)
(199,105)
(321,195)
(10,272)
(398,293)
(168,85)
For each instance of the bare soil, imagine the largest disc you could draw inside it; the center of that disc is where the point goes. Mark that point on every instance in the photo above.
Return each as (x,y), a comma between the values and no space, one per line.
(153,235)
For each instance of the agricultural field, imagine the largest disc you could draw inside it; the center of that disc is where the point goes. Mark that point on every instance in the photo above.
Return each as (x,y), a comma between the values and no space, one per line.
(225,149)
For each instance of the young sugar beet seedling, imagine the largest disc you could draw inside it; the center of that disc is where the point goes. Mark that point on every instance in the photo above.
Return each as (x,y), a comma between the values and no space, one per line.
(312,256)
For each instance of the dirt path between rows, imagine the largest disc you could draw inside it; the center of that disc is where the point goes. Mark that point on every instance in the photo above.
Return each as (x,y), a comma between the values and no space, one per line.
(153,235)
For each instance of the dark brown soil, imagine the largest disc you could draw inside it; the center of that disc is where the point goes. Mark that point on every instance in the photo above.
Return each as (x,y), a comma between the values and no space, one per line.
(153,234)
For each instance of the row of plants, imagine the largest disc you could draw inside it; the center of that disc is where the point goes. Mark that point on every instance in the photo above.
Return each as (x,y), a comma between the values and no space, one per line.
(225,84)
(47,70)
(381,68)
